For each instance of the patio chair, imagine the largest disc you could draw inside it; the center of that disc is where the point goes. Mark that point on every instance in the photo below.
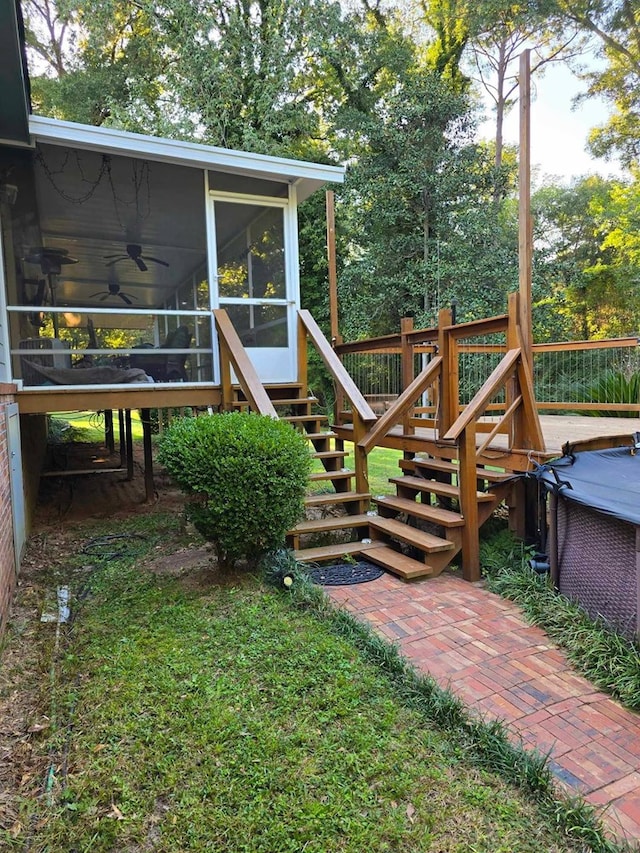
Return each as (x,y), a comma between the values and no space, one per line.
(165,367)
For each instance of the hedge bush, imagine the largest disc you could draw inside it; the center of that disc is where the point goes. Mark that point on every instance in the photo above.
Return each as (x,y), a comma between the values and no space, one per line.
(245,476)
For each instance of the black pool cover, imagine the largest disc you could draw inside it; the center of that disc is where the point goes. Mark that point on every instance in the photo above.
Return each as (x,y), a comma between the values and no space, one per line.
(605,480)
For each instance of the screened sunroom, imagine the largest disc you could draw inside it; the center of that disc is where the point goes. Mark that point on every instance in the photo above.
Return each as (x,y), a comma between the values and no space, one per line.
(116,248)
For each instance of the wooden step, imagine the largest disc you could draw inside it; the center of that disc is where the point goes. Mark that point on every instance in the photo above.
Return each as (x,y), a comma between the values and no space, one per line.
(330,454)
(322,525)
(316,436)
(411,535)
(331,475)
(334,552)
(450,468)
(301,419)
(294,401)
(405,567)
(336,498)
(446,490)
(443,517)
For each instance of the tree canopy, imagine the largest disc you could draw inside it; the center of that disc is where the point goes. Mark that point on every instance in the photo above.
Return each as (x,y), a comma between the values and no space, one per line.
(427,214)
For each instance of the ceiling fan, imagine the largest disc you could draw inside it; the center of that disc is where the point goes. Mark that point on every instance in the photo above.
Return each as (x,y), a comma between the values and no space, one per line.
(134,253)
(113,289)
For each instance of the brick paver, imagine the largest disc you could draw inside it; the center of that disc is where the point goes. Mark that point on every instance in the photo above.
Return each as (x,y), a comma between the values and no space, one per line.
(479,646)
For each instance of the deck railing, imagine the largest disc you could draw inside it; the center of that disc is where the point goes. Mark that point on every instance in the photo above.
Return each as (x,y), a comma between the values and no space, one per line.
(233,354)
(363,415)
(589,377)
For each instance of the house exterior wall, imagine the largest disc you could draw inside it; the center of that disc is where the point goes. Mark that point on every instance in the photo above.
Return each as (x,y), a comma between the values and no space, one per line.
(33,440)
(7,554)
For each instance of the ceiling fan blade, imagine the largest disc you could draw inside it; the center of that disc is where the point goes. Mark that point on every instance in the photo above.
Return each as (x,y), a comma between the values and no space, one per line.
(97,293)
(125,298)
(156,260)
(116,255)
(106,296)
(141,264)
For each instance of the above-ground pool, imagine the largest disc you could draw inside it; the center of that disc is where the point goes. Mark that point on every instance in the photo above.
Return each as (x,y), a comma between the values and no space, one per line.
(594,532)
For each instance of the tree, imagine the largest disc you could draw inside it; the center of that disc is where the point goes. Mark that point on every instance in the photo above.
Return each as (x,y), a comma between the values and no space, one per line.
(501,31)
(418,210)
(95,62)
(587,255)
(615,26)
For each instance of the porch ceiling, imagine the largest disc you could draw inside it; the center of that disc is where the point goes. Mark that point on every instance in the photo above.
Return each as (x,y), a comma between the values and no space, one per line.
(92,207)
(99,191)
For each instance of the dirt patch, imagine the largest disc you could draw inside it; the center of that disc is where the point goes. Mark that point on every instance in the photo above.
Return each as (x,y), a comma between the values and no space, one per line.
(103,493)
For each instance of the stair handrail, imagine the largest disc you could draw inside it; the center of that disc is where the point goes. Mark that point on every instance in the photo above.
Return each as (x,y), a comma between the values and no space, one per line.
(232,353)
(400,407)
(336,368)
(492,384)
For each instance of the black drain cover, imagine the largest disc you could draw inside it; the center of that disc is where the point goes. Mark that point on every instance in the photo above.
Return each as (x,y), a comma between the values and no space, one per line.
(342,574)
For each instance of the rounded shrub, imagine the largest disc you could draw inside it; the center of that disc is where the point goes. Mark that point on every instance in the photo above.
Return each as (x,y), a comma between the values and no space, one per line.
(245,476)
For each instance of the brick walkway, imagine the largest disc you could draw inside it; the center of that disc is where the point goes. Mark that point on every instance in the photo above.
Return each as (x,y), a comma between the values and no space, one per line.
(480,646)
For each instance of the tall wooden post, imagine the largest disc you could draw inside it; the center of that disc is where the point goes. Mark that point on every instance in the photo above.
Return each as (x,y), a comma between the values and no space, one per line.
(406,327)
(525,236)
(331,259)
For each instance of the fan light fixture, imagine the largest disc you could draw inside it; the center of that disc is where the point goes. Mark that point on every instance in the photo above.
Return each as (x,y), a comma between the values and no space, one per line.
(134,253)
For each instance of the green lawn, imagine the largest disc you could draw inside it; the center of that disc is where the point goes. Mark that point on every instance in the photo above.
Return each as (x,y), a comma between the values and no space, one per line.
(89,426)
(221,716)
(383,463)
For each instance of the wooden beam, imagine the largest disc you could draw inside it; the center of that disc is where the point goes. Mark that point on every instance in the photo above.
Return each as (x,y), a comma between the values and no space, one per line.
(332,266)
(336,368)
(129,443)
(469,505)
(525,229)
(150,492)
(31,402)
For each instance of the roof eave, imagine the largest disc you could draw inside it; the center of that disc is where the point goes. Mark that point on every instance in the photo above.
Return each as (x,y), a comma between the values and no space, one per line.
(305,175)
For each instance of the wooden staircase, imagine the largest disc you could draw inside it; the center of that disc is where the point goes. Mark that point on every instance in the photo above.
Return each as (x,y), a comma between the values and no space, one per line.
(420,528)
(338,510)
(443,496)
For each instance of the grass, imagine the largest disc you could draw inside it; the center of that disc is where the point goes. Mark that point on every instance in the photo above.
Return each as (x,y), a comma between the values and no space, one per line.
(609,661)
(89,427)
(383,463)
(233,717)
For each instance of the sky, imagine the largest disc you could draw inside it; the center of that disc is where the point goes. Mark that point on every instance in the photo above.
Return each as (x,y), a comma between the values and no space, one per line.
(559,131)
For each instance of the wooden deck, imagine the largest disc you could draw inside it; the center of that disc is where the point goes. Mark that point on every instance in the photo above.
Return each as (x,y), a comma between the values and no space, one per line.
(43,400)
(557,430)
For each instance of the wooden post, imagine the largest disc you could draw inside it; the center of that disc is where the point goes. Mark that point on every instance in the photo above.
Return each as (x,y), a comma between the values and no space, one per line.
(516,431)
(468,486)
(145,417)
(448,397)
(225,377)
(303,373)
(360,458)
(331,260)
(109,438)
(525,237)
(406,326)
(129,443)
(121,433)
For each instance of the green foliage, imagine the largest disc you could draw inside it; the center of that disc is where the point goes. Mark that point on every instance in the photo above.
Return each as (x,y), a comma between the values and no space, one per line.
(614,25)
(245,476)
(424,227)
(586,260)
(609,661)
(615,386)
